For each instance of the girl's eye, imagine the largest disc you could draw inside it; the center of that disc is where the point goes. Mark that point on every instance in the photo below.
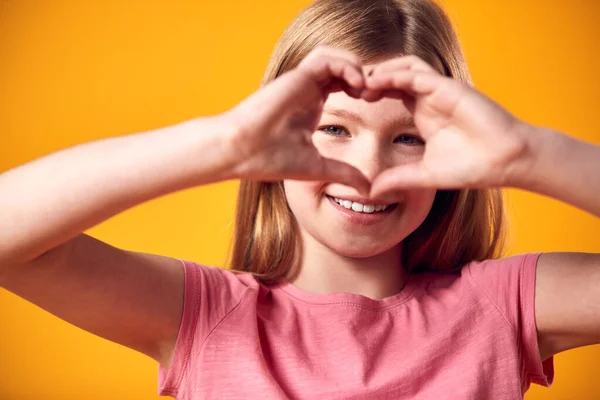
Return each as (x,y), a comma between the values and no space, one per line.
(409,140)
(333,130)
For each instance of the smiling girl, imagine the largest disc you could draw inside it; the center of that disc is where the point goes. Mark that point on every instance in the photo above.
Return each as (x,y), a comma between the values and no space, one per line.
(369,230)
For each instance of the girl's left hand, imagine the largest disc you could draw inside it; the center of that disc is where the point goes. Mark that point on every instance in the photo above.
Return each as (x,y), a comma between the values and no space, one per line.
(471,142)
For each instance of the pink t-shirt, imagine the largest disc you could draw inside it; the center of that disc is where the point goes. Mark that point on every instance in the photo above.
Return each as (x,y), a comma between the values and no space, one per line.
(465,335)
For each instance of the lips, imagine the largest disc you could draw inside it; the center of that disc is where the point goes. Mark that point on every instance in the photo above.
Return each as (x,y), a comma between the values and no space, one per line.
(360,207)
(361,218)
(361,200)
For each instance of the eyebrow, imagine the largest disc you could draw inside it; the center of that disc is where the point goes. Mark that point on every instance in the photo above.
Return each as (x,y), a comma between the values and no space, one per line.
(402,122)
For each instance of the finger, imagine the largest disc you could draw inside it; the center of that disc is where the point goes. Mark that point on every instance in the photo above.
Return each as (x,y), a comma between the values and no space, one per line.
(410,62)
(408,176)
(337,171)
(376,95)
(330,51)
(323,68)
(339,85)
(371,95)
(338,52)
(413,82)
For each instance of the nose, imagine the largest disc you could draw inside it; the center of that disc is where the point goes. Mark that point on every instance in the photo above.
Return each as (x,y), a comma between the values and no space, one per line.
(370,157)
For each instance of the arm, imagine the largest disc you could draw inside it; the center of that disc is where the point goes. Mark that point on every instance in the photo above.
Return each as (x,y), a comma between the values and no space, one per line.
(472,142)
(567,300)
(559,166)
(134,299)
(56,197)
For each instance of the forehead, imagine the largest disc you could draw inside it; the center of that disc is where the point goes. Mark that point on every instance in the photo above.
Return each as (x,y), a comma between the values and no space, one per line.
(381,113)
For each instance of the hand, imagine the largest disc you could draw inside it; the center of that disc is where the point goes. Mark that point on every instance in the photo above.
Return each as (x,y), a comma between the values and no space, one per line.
(275,125)
(471,142)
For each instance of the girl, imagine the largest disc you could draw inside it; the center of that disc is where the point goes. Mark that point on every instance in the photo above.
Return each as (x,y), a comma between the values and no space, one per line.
(368,232)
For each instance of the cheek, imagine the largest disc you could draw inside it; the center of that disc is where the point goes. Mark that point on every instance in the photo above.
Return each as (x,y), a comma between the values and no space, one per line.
(418,206)
(305,199)
(330,147)
(302,194)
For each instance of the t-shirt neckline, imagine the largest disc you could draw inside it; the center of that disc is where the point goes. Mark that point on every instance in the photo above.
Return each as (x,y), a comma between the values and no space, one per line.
(350,298)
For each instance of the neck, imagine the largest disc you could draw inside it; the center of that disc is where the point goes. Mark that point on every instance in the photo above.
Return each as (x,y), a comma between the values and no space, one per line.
(323,271)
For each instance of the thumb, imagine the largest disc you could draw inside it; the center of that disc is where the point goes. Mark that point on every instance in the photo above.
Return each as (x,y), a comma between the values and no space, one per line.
(409,176)
(337,171)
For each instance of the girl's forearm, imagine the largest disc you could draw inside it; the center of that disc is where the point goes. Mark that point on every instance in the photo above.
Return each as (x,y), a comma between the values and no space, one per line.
(48,201)
(562,167)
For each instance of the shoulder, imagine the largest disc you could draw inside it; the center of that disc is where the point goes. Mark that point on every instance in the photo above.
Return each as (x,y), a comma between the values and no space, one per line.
(498,277)
(216,283)
(493,299)
(210,295)
(507,286)
(493,278)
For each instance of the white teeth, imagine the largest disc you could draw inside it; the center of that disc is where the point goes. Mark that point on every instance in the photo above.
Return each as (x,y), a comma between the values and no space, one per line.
(369,208)
(358,207)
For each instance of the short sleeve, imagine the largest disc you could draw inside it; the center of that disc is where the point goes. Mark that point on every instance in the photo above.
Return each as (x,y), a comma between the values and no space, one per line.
(509,283)
(210,293)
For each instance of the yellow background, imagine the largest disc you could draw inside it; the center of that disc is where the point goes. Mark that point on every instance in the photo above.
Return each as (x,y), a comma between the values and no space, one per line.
(75,71)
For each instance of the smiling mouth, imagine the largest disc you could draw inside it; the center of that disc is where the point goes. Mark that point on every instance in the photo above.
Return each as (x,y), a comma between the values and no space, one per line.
(359,208)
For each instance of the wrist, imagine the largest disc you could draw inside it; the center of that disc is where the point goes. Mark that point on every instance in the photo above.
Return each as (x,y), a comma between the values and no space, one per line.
(240,142)
(542,151)
(214,139)
(522,172)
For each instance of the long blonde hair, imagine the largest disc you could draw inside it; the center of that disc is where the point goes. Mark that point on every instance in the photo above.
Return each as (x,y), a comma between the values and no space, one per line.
(462,226)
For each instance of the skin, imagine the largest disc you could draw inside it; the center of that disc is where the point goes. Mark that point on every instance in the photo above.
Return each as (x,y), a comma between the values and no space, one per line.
(341,256)
(471,142)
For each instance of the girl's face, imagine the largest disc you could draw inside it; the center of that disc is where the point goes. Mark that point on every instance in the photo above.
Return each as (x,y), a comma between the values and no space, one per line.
(371,137)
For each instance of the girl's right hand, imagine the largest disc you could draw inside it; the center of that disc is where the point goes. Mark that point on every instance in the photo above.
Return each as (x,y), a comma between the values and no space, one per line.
(273,127)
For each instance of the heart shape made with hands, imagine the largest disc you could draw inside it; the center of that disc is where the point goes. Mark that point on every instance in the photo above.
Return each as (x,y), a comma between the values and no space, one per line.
(471,142)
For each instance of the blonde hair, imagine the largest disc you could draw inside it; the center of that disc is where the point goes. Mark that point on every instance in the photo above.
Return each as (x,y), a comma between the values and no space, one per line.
(462,226)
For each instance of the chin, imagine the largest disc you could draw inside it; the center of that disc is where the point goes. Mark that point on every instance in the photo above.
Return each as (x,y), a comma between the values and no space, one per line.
(359,249)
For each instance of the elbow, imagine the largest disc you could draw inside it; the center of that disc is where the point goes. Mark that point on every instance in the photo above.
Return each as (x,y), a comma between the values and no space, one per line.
(11,262)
